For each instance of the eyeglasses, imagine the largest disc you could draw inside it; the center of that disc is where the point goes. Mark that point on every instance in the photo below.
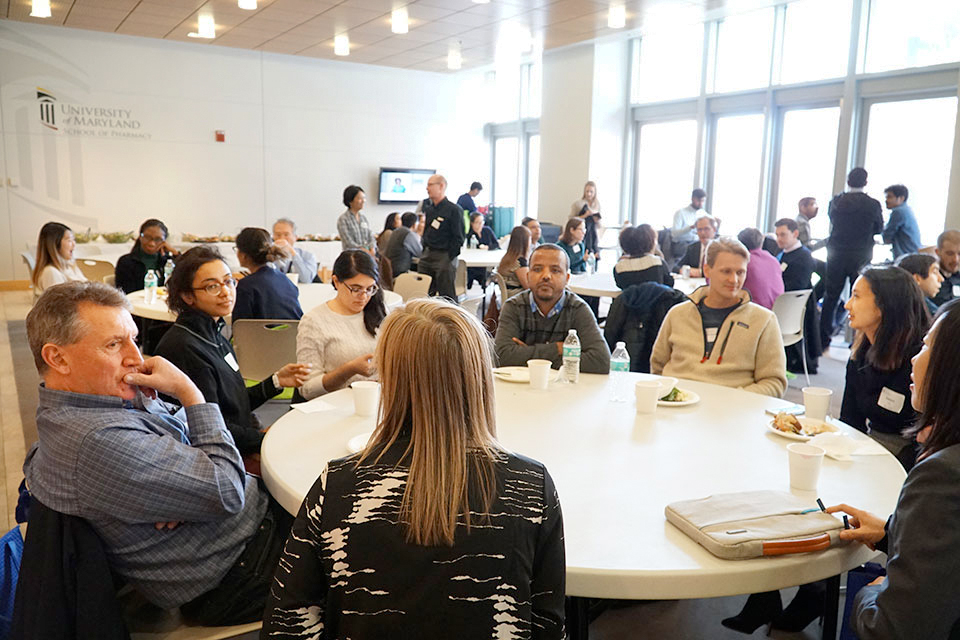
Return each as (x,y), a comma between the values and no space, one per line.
(152,239)
(356,289)
(214,288)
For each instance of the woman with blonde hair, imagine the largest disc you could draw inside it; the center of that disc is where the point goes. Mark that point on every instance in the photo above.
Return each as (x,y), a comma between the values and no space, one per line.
(55,263)
(433,530)
(587,208)
(513,264)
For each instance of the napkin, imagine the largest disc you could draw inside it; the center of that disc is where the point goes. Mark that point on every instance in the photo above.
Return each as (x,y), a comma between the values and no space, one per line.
(840,446)
(315,405)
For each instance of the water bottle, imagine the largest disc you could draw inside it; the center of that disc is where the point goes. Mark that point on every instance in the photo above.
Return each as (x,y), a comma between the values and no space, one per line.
(167,270)
(591,263)
(619,367)
(473,243)
(571,357)
(150,287)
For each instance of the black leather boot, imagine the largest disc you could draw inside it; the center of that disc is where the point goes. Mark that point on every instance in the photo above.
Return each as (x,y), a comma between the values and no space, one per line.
(760,609)
(805,607)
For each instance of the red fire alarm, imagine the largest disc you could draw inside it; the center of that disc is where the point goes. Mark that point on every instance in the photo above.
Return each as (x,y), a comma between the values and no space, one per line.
(221,135)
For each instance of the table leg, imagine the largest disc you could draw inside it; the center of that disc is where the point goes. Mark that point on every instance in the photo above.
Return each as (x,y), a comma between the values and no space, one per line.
(578,618)
(831,608)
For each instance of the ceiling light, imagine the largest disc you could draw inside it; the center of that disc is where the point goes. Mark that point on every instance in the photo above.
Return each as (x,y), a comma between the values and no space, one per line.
(40,9)
(454,57)
(249,5)
(617,18)
(341,45)
(399,21)
(205,27)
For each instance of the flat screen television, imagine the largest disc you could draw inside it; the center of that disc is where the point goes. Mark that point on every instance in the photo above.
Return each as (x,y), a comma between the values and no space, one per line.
(403,185)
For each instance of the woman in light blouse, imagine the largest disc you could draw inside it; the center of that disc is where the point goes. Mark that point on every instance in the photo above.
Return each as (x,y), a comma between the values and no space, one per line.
(339,337)
(55,263)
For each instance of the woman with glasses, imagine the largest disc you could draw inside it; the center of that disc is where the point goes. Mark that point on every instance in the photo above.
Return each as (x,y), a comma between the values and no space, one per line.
(339,337)
(201,291)
(265,294)
(151,251)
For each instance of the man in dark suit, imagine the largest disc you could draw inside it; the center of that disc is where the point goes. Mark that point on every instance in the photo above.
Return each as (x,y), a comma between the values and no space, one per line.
(696,254)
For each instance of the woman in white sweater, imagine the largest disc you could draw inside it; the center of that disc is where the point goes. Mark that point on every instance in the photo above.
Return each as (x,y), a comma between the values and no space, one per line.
(339,337)
(55,263)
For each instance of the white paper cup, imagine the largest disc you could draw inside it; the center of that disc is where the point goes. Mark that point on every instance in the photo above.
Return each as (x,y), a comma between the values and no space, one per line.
(365,393)
(294,277)
(647,393)
(539,373)
(816,402)
(805,461)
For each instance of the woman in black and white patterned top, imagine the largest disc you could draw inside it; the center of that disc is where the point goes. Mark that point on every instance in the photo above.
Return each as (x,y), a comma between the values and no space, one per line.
(390,543)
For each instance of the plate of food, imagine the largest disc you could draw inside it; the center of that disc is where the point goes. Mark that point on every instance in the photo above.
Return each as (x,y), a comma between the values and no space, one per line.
(678,398)
(520,374)
(358,443)
(799,427)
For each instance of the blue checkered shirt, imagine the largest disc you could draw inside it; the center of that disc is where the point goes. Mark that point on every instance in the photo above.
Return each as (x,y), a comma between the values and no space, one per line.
(125,466)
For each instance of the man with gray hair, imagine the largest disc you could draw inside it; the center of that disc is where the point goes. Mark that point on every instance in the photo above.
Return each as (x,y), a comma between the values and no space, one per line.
(164,488)
(443,236)
(295,259)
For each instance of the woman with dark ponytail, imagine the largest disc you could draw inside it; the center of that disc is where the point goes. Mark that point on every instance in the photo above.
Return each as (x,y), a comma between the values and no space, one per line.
(265,294)
(338,338)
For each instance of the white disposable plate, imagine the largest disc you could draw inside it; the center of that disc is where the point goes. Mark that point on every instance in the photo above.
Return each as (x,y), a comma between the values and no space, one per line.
(521,374)
(694,399)
(358,443)
(831,428)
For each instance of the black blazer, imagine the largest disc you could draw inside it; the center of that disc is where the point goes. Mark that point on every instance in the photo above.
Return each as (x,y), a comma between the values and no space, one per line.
(692,257)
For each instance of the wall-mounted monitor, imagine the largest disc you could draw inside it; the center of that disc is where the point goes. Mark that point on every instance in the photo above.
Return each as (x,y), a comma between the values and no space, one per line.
(403,185)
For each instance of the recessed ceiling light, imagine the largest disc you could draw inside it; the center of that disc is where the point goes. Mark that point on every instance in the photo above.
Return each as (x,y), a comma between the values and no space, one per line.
(249,5)
(341,45)
(399,21)
(206,28)
(617,18)
(454,57)
(40,9)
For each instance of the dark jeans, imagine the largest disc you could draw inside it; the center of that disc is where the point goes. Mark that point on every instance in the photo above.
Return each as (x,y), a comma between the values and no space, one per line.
(242,594)
(438,265)
(842,265)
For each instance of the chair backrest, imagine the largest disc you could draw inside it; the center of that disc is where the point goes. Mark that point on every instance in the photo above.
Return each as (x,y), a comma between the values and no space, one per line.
(502,285)
(110,280)
(412,285)
(789,309)
(95,270)
(264,346)
(460,281)
(29,259)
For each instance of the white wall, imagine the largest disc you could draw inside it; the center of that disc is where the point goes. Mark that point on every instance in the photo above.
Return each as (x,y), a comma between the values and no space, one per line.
(298,131)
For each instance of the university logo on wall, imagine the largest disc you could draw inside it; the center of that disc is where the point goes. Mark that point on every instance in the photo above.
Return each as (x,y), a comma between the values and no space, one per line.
(48,116)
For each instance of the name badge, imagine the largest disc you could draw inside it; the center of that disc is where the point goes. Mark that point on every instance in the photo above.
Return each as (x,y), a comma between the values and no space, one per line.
(230,360)
(956,291)
(711,333)
(436,223)
(891,400)
(576,248)
(783,267)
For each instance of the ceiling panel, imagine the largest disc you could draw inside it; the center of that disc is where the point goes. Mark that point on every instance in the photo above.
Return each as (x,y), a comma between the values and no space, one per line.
(307,27)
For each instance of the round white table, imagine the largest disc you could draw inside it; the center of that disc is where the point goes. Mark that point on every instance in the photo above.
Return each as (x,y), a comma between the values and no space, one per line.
(616,470)
(311,295)
(602,284)
(481,257)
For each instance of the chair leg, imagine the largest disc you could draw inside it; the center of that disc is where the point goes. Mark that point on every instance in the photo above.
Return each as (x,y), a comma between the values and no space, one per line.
(803,356)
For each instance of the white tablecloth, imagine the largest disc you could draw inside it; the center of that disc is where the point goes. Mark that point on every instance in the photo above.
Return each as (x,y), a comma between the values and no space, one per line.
(602,284)
(615,472)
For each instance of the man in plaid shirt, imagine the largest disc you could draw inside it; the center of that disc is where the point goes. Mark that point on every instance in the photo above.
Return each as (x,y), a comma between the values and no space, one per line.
(164,487)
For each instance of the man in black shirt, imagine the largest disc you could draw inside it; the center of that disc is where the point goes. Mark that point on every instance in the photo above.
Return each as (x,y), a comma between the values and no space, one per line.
(855,218)
(443,236)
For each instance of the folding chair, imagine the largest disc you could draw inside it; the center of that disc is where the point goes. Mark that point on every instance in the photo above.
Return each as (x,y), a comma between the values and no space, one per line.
(412,285)
(790,309)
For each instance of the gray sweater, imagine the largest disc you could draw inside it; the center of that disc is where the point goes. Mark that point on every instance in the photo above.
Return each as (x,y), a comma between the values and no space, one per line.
(919,597)
(541,334)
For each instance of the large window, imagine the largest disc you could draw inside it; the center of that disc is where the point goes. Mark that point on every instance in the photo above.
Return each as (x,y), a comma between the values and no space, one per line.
(808,151)
(653,80)
(911,143)
(816,40)
(533,176)
(914,34)
(744,44)
(737,163)
(665,167)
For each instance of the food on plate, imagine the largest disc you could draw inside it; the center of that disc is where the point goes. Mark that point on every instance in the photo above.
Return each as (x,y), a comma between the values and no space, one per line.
(788,423)
(676,395)
(813,428)
(118,237)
